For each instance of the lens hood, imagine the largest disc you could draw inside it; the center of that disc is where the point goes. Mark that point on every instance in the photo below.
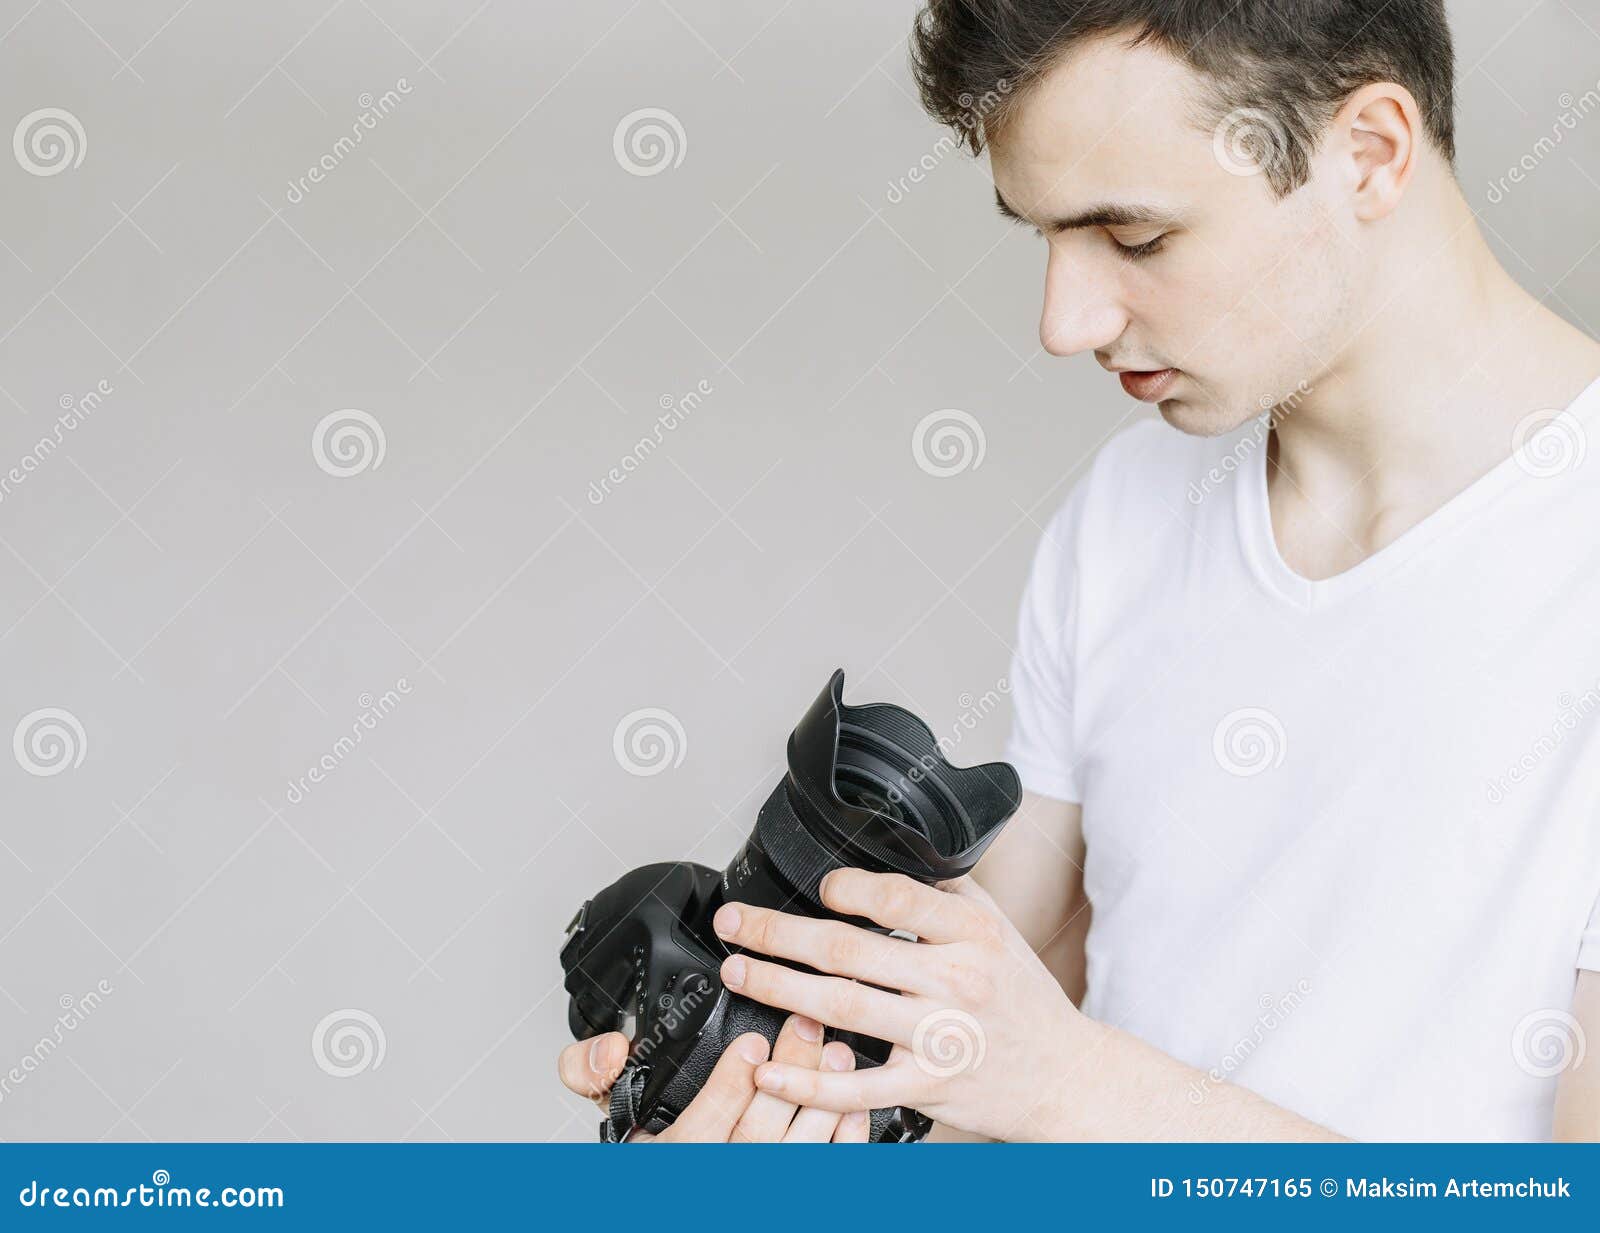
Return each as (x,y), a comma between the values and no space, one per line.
(869,786)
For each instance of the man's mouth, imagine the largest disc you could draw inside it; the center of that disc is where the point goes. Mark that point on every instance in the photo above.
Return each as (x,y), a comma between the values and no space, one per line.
(1149,386)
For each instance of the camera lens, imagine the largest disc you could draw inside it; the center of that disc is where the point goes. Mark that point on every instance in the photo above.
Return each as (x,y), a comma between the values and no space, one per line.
(868,787)
(855,787)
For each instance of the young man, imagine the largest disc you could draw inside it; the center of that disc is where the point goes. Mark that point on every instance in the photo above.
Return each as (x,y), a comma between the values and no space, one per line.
(1305,690)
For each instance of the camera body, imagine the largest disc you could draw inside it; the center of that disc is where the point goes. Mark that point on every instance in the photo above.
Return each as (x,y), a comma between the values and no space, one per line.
(866,787)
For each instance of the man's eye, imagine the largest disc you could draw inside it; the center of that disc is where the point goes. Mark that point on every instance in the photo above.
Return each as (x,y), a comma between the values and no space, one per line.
(1137,252)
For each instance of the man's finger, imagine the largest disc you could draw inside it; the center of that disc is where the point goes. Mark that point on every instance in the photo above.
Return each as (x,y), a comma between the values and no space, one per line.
(799,1043)
(712,1115)
(829,946)
(878,1087)
(590,1067)
(853,1128)
(898,902)
(827,999)
(820,1125)
(969,888)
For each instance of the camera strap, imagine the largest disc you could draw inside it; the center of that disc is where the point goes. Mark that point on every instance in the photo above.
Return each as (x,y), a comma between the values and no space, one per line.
(623,1116)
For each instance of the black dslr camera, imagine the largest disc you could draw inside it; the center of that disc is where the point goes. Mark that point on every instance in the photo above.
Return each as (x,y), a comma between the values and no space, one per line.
(868,787)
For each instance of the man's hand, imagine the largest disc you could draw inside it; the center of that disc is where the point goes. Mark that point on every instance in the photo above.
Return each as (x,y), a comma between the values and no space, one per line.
(729,1109)
(983,1034)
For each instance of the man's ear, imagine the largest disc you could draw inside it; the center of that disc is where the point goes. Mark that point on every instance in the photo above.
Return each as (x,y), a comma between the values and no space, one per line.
(1379,131)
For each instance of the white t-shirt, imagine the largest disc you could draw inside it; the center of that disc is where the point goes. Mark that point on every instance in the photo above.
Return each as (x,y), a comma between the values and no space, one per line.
(1343,836)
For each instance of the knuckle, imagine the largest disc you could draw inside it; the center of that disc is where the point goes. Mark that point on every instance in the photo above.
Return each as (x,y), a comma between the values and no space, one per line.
(843,887)
(840,948)
(968,983)
(766,932)
(982,927)
(899,894)
(843,1000)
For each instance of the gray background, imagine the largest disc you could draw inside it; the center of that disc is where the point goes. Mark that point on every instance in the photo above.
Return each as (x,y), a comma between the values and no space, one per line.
(484,278)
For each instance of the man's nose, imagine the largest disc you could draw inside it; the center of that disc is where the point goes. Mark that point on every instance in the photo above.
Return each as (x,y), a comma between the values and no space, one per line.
(1082,307)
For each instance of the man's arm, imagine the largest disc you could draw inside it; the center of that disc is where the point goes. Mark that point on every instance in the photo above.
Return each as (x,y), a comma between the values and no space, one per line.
(1578,1090)
(1047,1070)
(1034,871)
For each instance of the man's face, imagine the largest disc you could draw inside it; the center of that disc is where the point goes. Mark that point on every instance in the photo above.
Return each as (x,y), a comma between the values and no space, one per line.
(1242,296)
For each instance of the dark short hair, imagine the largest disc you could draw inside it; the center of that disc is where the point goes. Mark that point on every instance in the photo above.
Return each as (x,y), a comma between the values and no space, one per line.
(1291,63)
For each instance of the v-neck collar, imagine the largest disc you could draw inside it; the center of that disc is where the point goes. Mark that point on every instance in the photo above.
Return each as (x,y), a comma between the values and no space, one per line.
(1261,547)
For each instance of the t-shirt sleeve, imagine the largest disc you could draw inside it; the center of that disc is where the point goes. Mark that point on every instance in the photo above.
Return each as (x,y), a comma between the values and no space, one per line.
(1589,942)
(1041,745)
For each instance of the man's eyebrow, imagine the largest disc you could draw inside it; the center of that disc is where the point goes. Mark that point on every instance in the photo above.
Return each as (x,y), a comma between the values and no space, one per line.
(1106,215)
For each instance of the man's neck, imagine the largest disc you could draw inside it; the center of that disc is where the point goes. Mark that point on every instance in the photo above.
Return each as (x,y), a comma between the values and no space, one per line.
(1450,358)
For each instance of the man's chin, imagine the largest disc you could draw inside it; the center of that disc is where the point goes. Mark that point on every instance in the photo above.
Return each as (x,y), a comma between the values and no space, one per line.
(1200,419)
